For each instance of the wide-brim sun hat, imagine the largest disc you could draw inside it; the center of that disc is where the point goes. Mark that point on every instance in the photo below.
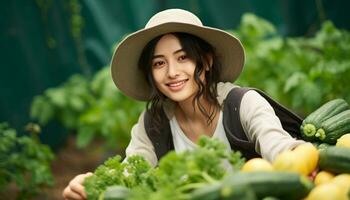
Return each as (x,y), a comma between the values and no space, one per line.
(124,65)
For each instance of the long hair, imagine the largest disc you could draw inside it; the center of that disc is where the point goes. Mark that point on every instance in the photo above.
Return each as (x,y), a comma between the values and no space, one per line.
(198,50)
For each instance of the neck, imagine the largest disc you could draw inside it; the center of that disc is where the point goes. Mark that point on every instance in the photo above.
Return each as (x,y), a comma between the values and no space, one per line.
(193,122)
(193,113)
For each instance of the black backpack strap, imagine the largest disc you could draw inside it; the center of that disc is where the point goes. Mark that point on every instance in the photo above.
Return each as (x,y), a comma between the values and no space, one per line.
(290,121)
(161,136)
(232,124)
(233,127)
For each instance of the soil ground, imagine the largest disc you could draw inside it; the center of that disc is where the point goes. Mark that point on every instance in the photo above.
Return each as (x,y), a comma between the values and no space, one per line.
(69,162)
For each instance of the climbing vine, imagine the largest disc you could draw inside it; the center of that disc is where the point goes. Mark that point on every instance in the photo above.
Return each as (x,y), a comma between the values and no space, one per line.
(75,27)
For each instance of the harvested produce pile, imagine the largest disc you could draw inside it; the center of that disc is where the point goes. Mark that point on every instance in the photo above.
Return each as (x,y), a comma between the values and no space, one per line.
(176,175)
(318,170)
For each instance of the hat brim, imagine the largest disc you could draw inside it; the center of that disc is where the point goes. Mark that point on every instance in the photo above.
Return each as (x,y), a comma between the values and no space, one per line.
(131,81)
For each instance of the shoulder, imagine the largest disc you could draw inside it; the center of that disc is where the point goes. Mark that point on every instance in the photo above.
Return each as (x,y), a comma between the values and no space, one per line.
(252,102)
(243,95)
(253,97)
(223,89)
(139,127)
(247,100)
(255,106)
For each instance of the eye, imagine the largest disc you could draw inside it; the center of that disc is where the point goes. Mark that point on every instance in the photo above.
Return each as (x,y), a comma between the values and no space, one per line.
(158,63)
(183,57)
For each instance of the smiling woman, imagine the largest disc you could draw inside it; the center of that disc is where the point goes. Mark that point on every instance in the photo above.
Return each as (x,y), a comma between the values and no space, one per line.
(179,72)
(184,70)
(172,70)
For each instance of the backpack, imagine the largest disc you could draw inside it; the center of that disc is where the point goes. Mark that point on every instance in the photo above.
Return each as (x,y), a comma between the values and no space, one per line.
(163,142)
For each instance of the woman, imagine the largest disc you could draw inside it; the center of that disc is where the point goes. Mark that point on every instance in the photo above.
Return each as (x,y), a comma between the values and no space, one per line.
(184,71)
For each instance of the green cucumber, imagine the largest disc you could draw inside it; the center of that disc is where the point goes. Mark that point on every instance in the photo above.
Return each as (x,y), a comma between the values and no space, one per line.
(208,192)
(116,192)
(218,191)
(323,146)
(334,127)
(283,185)
(335,159)
(313,121)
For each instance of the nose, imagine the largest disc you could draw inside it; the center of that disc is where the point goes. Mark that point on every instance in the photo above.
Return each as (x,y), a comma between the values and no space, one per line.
(173,71)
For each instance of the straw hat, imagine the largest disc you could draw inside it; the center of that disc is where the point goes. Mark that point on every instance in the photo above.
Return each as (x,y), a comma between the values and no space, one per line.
(124,65)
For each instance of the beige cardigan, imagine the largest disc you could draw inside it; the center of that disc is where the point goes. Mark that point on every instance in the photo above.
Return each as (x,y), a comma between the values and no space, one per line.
(258,120)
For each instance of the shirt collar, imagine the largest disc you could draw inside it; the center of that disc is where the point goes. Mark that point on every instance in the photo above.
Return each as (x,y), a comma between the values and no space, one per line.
(222,88)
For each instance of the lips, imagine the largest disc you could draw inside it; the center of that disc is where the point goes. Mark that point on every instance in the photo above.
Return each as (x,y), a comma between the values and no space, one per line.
(176,86)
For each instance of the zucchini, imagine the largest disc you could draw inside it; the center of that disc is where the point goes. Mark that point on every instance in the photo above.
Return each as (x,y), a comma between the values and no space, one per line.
(313,121)
(335,159)
(334,127)
(323,146)
(208,192)
(239,192)
(270,198)
(282,185)
(218,191)
(116,192)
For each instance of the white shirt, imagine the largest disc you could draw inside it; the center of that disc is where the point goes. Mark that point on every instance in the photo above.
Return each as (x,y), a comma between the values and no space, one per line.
(183,143)
(258,120)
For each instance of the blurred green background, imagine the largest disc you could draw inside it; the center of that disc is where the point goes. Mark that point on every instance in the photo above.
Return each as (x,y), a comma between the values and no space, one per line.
(54,72)
(43,42)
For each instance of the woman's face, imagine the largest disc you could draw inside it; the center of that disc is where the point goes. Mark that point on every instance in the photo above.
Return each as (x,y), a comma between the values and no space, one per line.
(173,71)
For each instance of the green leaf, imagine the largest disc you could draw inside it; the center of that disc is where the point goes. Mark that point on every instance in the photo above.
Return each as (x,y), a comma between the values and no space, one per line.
(57,96)
(84,136)
(24,162)
(42,110)
(294,80)
(77,103)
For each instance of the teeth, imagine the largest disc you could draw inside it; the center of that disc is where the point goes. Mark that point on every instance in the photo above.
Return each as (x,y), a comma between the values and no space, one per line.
(176,84)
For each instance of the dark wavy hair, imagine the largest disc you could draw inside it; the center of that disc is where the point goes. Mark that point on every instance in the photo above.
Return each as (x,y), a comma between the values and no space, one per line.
(198,50)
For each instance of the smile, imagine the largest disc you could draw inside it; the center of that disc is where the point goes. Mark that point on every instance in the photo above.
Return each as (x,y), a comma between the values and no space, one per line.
(175,86)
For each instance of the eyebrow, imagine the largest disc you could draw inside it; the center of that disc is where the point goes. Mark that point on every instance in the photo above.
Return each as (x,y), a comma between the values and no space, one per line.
(175,52)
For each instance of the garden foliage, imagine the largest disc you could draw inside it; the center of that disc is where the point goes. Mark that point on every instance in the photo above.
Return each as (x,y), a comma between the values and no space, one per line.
(300,72)
(89,107)
(24,162)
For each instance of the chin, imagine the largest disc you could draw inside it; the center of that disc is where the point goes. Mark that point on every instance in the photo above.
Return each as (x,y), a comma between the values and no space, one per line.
(180,97)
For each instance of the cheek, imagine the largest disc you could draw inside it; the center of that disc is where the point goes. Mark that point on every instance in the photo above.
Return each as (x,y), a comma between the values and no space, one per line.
(191,68)
(157,76)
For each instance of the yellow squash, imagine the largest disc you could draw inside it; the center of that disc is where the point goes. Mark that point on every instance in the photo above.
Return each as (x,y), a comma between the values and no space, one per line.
(323,177)
(343,141)
(326,191)
(308,154)
(289,161)
(257,164)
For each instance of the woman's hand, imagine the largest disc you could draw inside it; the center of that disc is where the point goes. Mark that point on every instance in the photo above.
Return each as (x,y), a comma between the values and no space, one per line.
(75,188)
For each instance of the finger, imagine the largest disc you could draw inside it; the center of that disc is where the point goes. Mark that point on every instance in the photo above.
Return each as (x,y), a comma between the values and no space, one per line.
(76,184)
(80,178)
(83,188)
(89,174)
(71,195)
(77,188)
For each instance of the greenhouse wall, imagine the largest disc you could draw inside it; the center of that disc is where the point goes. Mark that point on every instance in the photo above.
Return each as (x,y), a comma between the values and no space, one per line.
(44,42)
